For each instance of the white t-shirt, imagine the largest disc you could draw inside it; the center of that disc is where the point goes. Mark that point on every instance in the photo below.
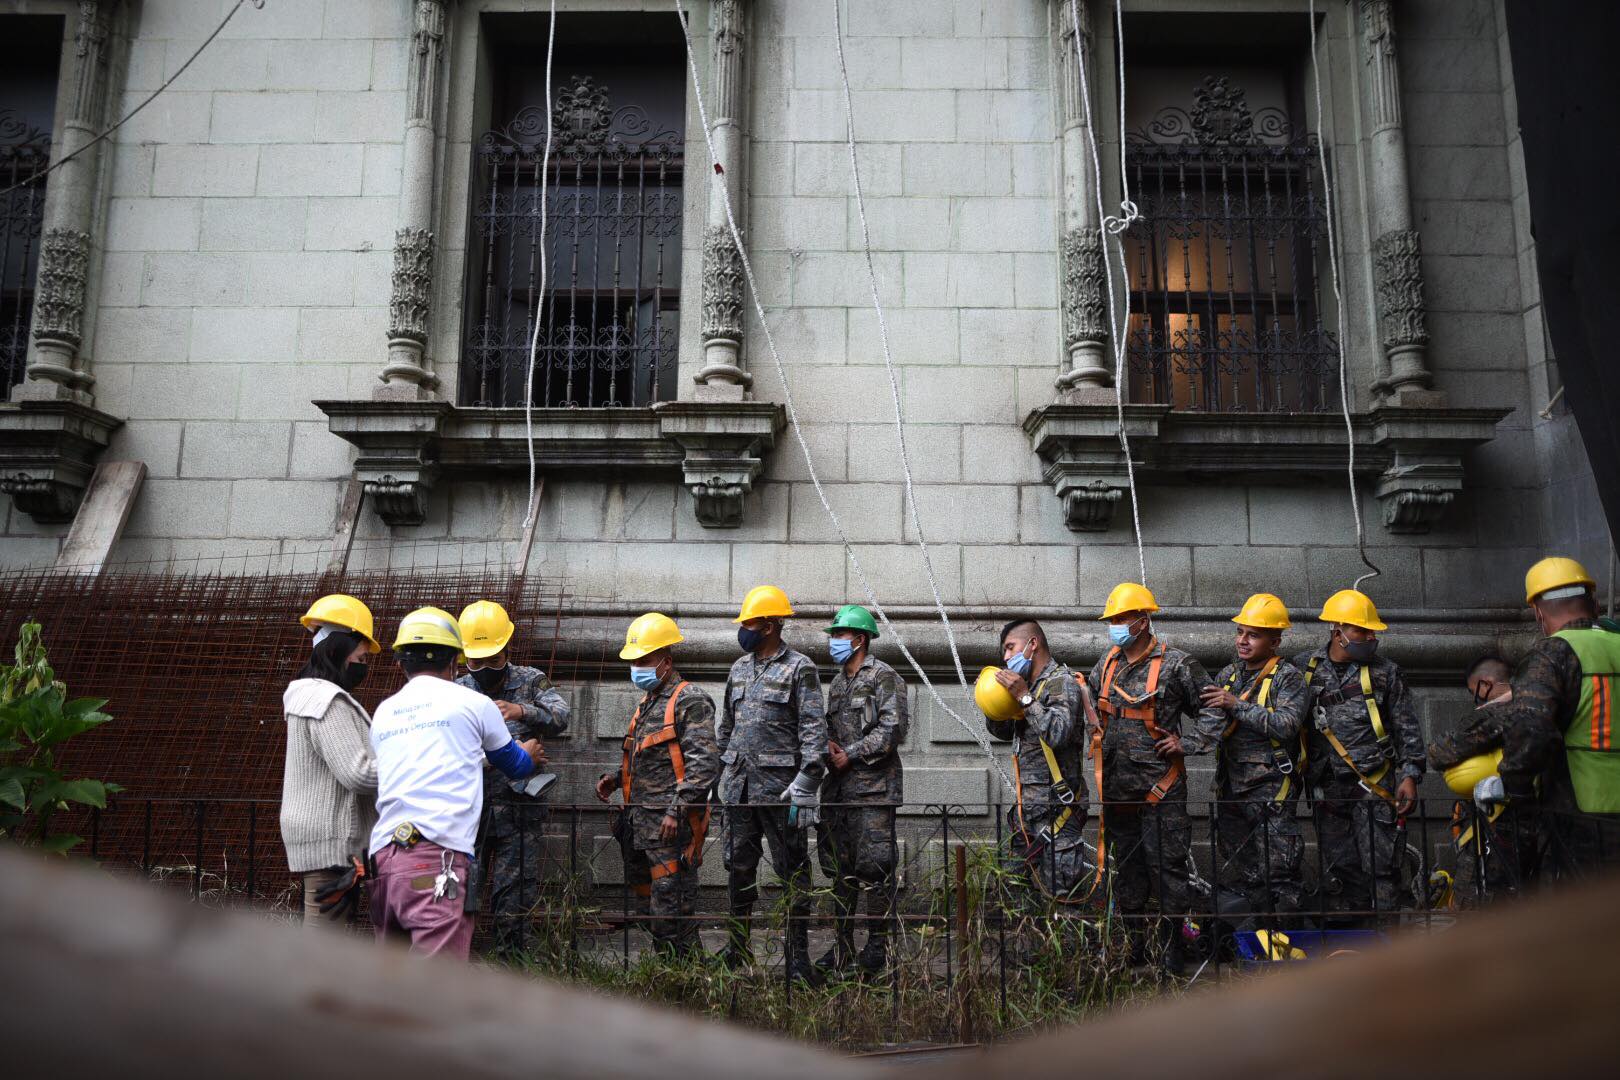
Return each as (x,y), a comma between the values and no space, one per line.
(430,740)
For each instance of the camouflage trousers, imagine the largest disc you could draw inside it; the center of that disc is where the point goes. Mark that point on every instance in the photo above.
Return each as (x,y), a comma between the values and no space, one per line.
(1056,868)
(514,845)
(1359,846)
(671,897)
(856,848)
(1259,850)
(748,829)
(1151,845)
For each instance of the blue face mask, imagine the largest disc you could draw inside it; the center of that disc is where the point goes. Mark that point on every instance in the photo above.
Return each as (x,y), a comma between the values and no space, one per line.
(1121,634)
(840,649)
(1019,665)
(749,639)
(645,678)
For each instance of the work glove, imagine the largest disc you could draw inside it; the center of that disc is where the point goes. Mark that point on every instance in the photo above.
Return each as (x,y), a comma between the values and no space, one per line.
(1488,792)
(339,899)
(804,797)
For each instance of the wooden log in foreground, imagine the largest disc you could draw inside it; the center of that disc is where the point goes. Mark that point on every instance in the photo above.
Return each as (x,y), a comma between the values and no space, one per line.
(1525,990)
(113,975)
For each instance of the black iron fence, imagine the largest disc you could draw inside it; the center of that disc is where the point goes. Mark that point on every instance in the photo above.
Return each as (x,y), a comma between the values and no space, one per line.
(25,151)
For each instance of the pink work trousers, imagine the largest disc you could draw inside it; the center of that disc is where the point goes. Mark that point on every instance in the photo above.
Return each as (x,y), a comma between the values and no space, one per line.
(402,903)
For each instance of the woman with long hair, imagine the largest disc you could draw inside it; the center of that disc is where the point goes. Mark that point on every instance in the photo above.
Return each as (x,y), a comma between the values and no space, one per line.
(329,788)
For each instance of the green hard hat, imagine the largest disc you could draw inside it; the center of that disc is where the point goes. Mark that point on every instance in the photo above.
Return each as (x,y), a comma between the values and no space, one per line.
(854,617)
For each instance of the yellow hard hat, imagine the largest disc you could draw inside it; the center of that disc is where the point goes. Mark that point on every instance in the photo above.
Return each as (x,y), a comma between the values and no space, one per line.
(429,626)
(993,699)
(1556,573)
(1355,608)
(1128,596)
(1265,611)
(344,612)
(485,628)
(764,602)
(1277,946)
(1462,776)
(648,634)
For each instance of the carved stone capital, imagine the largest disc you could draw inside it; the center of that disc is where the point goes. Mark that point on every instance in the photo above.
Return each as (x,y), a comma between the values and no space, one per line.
(1398,282)
(411,301)
(1085,300)
(722,285)
(64,263)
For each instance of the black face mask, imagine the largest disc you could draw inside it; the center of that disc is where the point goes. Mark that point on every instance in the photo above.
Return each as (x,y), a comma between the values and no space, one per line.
(749,639)
(490,679)
(354,675)
(1483,694)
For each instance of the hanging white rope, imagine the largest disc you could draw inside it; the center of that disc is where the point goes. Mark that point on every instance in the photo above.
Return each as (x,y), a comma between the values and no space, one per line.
(883,338)
(979,737)
(1111,229)
(1338,303)
(540,299)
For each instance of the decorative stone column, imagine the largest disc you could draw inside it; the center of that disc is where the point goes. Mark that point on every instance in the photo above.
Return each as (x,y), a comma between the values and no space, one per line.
(1084,299)
(1397,261)
(406,376)
(722,377)
(55,372)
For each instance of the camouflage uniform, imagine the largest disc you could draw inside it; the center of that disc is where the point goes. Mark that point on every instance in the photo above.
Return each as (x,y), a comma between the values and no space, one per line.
(1357,838)
(1056,717)
(1151,843)
(1258,840)
(1495,859)
(654,794)
(1530,730)
(772,725)
(514,837)
(867,716)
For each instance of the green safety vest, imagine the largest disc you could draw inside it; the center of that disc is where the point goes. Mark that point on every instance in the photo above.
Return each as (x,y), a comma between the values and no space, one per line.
(1594,760)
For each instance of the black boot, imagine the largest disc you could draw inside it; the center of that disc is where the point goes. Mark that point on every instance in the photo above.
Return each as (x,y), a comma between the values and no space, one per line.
(874,958)
(798,948)
(1175,948)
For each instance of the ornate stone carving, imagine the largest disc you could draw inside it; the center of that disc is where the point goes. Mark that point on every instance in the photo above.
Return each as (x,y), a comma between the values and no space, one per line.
(1089,507)
(398,502)
(1085,303)
(1416,510)
(427,45)
(729,25)
(48,453)
(1384,86)
(722,286)
(581,118)
(1398,279)
(411,302)
(1220,114)
(64,261)
(48,502)
(90,63)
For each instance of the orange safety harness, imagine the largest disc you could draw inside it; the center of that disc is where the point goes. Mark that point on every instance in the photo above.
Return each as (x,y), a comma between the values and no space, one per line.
(1143,708)
(692,854)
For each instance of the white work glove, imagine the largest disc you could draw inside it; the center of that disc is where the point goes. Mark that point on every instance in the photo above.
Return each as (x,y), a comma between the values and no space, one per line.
(1488,792)
(804,797)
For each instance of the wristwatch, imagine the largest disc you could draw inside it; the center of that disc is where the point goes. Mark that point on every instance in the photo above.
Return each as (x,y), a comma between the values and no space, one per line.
(1027,700)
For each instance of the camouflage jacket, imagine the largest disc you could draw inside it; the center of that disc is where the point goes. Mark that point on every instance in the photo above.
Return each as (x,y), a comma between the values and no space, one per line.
(545,711)
(654,791)
(1246,761)
(867,716)
(1336,690)
(1130,765)
(773,723)
(1057,718)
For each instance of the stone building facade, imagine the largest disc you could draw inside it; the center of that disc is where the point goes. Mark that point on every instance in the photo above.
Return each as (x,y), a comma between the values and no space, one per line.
(312,260)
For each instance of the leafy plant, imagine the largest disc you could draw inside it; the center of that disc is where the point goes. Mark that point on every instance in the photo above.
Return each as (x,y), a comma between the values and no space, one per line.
(36,719)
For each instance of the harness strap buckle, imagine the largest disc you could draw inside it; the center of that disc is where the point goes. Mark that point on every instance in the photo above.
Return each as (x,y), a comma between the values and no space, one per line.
(1062,792)
(1284,763)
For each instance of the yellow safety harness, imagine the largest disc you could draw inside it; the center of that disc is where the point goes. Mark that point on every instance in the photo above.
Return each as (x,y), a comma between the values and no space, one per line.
(692,854)
(1279,755)
(1061,791)
(1369,784)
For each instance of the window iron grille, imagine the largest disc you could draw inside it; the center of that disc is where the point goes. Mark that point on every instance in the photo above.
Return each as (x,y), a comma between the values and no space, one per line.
(609,312)
(24,151)
(1226,306)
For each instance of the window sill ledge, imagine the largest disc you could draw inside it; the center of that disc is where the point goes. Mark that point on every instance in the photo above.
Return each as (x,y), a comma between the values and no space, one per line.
(718,447)
(1416,453)
(48,451)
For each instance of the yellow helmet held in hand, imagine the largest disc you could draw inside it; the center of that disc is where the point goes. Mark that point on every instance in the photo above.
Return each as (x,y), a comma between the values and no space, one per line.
(993,699)
(1128,596)
(485,629)
(1557,575)
(1354,608)
(648,634)
(1462,776)
(344,612)
(764,602)
(429,626)
(1264,611)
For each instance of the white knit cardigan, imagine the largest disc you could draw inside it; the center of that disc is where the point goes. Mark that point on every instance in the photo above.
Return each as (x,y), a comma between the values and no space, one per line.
(329,788)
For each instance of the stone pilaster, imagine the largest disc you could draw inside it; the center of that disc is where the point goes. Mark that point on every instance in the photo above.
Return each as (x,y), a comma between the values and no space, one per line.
(1086,367)
(56,371)
(1397,262)
(722,376)
(407,375)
